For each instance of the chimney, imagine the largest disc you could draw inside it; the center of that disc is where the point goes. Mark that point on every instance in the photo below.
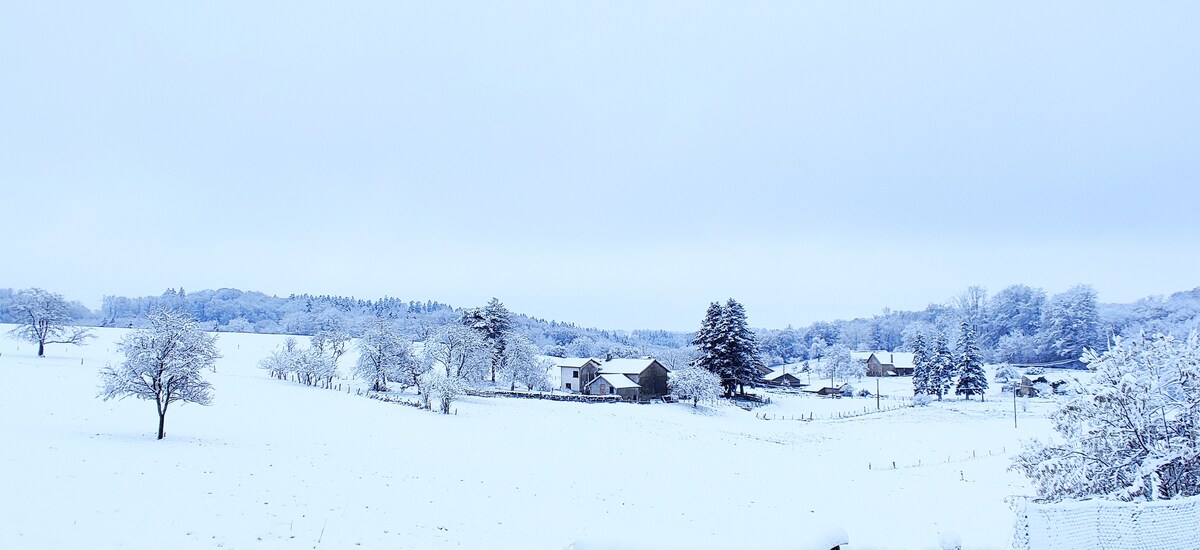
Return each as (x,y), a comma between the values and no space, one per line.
(608,357)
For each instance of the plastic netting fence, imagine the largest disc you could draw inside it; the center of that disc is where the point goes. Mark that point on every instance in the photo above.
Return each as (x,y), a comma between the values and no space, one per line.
(1105,524)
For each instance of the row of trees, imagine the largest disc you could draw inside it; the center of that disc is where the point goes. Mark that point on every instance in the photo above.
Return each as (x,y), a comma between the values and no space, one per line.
(479,347)
(935,367)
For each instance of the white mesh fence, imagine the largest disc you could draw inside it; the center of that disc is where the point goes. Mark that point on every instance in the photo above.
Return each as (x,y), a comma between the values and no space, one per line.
(1106,524)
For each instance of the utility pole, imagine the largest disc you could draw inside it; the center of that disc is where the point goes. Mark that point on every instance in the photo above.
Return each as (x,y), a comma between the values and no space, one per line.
(876,393)
(1015,390)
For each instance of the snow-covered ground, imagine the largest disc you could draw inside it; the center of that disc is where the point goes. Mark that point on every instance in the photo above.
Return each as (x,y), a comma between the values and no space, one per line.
(273,464)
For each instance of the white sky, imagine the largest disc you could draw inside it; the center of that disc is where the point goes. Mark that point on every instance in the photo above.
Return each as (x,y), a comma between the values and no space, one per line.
(613,164)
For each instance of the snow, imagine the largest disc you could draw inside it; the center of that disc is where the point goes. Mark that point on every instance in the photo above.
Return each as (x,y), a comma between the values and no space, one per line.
(619,381)
(273,464)
(625,366)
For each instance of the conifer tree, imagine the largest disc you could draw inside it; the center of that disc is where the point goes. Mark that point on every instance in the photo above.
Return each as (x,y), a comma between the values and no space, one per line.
(941,367)
(740,343)
(920,378)
(971,378)
(727,347)
(493,322)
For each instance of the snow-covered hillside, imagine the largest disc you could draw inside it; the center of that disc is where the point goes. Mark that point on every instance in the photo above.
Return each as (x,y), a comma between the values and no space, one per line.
(273,464)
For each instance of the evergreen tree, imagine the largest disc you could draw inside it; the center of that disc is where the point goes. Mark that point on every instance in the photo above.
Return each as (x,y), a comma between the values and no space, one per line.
(920,366)
(740,343)
(941,367)
(971,378)
(709,344)
(727,347)
(493,322)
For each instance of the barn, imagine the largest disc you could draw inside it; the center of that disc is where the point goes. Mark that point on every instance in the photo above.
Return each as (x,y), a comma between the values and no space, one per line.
(648,374)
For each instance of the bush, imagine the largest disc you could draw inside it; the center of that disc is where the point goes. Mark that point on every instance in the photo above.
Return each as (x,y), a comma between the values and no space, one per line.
(922,400)
(1006,372)
(1034,371)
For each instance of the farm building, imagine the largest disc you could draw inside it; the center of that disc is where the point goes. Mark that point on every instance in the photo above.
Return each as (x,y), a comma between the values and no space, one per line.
(648,374)
(889,363)
(826,390)
(782,377)
(569,367)
(613,384)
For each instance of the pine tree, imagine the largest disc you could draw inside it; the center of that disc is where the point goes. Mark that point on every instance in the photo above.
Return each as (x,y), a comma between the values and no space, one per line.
(941,368)
(493,322)
(971,378)
(920,366)
(710,344)
(727,346)
(740,343)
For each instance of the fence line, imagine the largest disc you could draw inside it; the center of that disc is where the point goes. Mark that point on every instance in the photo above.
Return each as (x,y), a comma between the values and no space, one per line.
(966,456)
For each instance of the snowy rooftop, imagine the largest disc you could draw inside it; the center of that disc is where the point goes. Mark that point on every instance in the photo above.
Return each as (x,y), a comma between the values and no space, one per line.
(619,381)
(573,362)
(775,375)
(625,366)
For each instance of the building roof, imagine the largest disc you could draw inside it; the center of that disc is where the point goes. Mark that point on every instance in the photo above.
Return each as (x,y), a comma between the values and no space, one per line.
(626,366)
(619,381)
(776,375)
(573,362)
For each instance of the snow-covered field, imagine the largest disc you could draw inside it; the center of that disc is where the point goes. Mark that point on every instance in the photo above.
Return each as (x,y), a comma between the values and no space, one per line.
(273,464)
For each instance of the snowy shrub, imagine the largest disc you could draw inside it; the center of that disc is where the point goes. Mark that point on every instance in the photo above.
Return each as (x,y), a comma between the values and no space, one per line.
(1131,434)
(1006,372)
(848,391)
(922,400)
(1034,371)
(864,393)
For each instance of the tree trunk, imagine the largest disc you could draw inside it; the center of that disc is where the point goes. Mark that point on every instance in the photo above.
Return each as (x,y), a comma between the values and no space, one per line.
(41,349)
(162,419)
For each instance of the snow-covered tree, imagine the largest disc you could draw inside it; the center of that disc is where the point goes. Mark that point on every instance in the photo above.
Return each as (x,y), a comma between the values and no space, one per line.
(1015,309)
(971,306)
(941,367)
(494,324)
(1132,433)
(972,379)
(442,387)
(695,383)
(45,318)
(726,345)
(458,350)
(840,365)
(384,355)
(281,363)
(1070,323)
(921,366)
(1006,372)
(520,364)
(163,364)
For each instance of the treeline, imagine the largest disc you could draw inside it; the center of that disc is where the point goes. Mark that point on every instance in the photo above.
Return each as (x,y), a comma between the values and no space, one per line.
(233,310)
(1018,324)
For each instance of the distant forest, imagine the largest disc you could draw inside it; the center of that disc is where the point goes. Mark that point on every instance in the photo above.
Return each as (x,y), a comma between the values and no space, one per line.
(1019,324)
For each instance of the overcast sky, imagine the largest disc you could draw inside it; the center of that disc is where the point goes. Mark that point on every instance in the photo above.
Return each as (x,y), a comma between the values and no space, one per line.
(612,164)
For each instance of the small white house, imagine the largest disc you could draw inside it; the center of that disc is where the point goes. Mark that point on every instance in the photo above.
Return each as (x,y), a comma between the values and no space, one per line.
(569,369)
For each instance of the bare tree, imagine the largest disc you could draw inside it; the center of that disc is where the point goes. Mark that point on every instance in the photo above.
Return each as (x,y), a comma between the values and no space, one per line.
(45,318)
(163,363)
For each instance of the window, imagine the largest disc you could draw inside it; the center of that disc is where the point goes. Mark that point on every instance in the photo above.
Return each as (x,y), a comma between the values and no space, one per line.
(568,385)
(574,374)
(612,390)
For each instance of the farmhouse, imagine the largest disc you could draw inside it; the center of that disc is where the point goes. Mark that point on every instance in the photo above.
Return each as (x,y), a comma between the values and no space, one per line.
(630,378)
(889,363)
(569,367)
